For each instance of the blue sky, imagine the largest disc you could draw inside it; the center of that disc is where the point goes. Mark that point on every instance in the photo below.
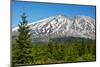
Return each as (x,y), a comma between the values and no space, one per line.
(36,11)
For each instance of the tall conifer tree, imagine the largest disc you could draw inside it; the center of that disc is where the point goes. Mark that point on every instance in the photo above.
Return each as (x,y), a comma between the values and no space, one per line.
(24,42)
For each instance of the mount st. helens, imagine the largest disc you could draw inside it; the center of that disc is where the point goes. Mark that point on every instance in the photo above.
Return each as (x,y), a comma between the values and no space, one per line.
(61,26)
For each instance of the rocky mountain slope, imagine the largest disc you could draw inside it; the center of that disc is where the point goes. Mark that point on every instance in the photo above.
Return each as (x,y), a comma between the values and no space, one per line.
(61,26)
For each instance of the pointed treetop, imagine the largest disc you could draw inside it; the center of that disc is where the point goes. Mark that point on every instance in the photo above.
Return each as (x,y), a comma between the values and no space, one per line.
(24,17)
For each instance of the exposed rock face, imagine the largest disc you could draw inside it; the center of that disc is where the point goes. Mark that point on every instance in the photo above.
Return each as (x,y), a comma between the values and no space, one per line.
(59,26)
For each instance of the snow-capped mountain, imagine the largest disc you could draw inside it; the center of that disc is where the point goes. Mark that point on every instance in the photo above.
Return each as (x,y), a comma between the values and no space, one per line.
(61,26)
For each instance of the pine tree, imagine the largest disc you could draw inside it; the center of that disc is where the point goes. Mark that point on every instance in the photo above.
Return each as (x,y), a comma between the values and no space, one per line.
(24,43)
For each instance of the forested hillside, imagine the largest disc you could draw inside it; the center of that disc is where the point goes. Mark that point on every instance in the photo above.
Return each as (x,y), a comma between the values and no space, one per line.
(60,50)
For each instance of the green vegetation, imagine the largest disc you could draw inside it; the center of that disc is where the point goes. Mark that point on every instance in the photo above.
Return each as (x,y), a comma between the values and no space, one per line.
(62,50)
(57,50)
(22,53)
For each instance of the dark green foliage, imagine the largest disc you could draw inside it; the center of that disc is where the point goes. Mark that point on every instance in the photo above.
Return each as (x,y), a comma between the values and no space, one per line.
(59,50)
(22,53)
(56,50)
(72,49)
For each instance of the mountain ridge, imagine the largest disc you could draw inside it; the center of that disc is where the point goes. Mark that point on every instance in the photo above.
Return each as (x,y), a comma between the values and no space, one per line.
(61,25)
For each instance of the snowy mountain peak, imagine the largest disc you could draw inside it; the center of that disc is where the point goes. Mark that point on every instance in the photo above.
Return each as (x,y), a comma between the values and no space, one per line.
(59,26)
